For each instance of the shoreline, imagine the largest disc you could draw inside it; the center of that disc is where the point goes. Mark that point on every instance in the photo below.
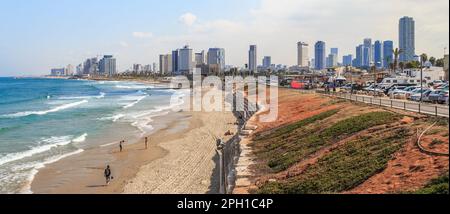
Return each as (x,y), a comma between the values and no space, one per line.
(83,173)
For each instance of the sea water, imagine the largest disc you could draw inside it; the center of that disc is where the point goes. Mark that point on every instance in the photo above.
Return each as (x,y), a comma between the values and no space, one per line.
(45,120)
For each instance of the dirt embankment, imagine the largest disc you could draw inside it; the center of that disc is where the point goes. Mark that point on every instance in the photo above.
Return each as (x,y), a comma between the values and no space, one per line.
(292,153)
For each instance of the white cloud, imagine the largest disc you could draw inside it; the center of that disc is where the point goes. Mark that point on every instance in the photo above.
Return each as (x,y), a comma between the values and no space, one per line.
(277,25)
(142,35)
(188,19)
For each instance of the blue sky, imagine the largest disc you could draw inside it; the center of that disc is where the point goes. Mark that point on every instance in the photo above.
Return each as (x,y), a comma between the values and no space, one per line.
(39,34)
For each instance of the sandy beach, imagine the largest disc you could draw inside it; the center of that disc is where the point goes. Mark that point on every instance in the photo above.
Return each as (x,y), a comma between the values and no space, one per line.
(181,158)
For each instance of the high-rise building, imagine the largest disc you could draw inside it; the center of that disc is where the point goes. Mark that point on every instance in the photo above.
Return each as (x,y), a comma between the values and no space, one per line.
(169,64)
(252,59)
(200,58)
(175,62)
(407,39)
(90,66)
(388,53)
(185,60)
(320,55)
(216,57)
(347,60)
(302,54)
(165,64)
(155,70)
(331,61)
(335,51)
(267,62)
(58,72)
(162,63)
(69,70)
(137,68)
(80,69)
(107,65)
(378,54)
(359,58)
(367,53)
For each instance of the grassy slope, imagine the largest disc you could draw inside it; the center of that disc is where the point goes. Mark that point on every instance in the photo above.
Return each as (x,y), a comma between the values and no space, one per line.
(436,186)
(344,168)
(284,151)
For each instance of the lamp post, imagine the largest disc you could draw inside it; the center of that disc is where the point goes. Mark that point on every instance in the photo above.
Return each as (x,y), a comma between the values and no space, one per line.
(423,58)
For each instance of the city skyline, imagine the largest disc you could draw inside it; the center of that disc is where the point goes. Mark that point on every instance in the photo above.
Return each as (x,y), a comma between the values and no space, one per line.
(71,34)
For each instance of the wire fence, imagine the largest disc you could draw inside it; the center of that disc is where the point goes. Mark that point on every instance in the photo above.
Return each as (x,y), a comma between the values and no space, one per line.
(229,152)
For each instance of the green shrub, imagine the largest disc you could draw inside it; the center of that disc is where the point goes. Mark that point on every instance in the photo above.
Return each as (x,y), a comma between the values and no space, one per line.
(436,186)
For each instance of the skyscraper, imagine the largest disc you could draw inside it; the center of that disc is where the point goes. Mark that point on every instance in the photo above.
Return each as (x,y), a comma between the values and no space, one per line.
(407,39)
(107,65)
(162,63)
(252,59)
(185,60)
(335,51)
(302,54)
(367,53)
(388,53)
(175,62)
(69,70)
(359,58)
(331,60)
(90,66)
(216,56)
(347,60)
(267,61)
(79,70)
(378,54)
(200,58)
(319,55)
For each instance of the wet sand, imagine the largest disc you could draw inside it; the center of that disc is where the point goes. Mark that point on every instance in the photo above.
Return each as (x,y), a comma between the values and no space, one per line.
(181,158)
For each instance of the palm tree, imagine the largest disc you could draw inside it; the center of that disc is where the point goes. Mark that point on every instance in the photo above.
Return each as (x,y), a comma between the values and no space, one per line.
(396,53)
(423,59)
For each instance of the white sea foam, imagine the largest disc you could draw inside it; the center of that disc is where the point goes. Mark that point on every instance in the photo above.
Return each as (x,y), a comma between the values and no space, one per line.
(56,109)
(80,139)
(108,144)
(39,165)
(51,142)
(139,99)
(132,86)
(101,95)
(113,118)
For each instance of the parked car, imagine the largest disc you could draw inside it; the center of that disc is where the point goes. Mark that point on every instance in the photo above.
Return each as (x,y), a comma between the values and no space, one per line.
(424,95)
(415,91)
(443,87)
(443,98)
(394,89)
(434,97)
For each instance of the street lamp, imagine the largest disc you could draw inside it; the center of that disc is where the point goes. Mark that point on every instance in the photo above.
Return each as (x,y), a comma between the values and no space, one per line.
(422,59)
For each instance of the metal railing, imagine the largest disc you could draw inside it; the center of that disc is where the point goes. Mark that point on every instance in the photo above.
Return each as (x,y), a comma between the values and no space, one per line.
(423,108)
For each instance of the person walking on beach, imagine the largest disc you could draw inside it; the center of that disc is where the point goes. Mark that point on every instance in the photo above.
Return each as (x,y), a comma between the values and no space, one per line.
(121,146)
(146,142)
(107,174)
